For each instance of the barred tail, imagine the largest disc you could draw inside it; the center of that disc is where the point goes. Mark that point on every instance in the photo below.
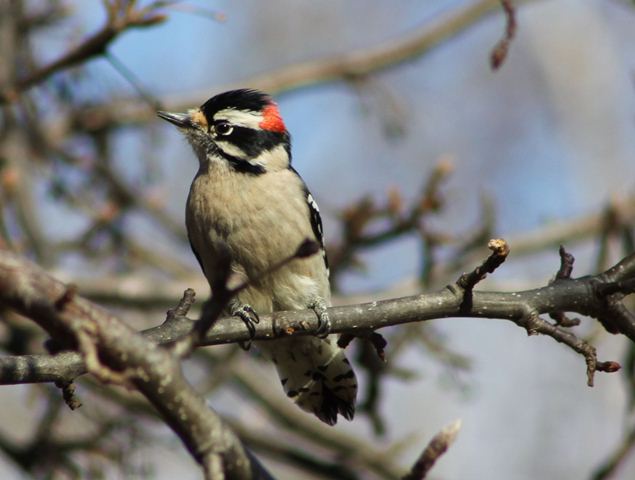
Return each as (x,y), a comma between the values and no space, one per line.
(316,374)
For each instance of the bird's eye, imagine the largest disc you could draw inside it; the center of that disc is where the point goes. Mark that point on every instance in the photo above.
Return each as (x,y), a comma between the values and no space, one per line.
(223,128)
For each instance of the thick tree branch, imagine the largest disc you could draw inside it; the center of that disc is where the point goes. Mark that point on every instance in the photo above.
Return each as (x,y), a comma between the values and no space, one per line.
(142,292)
(595,296)
(113,352)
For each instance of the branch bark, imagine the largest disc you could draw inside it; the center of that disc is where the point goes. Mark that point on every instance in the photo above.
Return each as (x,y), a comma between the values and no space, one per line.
(24,286)
(114,353)
(110,350)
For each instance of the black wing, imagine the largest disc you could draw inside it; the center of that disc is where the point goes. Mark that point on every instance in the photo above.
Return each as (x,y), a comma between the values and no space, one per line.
(315,218)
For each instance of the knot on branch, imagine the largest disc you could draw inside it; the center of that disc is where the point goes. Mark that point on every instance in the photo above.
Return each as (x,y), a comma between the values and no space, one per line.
(500,251)
(467,281)
(610,289)
(66,298)
(68,394)
(532,323)
(564,273)
(183,307)
(566,264)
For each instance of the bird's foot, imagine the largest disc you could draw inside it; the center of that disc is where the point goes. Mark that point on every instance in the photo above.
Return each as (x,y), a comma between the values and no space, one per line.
(249,317)
(318,305)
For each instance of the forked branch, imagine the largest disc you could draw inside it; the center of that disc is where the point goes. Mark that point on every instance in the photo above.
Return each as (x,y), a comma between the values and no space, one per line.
(99,343)
(26,287)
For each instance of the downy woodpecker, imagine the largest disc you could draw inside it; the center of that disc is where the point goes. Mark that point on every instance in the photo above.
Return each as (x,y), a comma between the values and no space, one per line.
(247,198)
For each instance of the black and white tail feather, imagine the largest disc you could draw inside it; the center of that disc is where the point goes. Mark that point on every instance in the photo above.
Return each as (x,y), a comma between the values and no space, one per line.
(316,375)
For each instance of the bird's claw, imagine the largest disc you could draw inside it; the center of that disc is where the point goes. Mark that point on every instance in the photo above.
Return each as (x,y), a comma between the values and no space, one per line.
(249,317)
(324,322)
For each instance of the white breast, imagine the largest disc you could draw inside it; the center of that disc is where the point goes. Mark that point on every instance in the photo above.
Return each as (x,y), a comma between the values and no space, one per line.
(262,219)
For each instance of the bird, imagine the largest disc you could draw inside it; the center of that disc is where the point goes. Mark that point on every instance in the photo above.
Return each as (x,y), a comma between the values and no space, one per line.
(247,200)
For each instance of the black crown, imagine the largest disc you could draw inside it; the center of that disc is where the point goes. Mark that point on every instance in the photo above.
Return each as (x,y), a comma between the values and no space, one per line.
(243,99)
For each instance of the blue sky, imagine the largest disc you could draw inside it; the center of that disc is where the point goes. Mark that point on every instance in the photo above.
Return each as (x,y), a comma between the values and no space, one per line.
(541,144)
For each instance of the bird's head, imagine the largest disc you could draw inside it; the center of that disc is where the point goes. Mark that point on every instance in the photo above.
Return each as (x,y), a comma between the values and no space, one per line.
(241,127)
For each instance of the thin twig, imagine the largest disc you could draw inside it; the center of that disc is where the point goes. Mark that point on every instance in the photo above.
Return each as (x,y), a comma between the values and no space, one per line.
(306,74)
(92,46)
(153,102)
(433,451)
(499,52)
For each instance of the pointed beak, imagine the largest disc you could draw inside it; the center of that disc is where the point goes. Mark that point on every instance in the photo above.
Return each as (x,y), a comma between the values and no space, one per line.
(181,120)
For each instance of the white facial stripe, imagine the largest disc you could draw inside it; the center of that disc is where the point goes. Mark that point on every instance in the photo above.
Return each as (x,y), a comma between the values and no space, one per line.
(231,149)
(275,159)
(240,117)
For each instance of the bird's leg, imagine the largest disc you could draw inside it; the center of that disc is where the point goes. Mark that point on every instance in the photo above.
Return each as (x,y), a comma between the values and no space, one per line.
(249,317)
(318,305)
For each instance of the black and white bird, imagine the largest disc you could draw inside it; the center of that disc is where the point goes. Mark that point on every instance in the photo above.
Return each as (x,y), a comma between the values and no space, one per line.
(247,198)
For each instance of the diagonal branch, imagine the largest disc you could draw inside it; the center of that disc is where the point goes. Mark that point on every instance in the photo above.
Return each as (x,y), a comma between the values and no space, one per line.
(433,451)
(113,352)
(118,20)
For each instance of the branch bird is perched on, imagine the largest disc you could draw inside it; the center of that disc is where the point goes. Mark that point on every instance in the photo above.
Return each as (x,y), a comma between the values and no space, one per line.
(247,199)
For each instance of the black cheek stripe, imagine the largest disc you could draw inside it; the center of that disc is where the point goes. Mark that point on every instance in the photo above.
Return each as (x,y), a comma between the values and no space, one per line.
(241,165)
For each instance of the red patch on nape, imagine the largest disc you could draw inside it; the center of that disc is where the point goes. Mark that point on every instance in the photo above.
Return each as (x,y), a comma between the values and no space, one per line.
(271,119)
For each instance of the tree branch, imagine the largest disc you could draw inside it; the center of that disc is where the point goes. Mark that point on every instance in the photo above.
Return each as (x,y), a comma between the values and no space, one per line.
(352,65)
(113,352)
(594,296)
(118,20)
(499,53)
(433,451)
